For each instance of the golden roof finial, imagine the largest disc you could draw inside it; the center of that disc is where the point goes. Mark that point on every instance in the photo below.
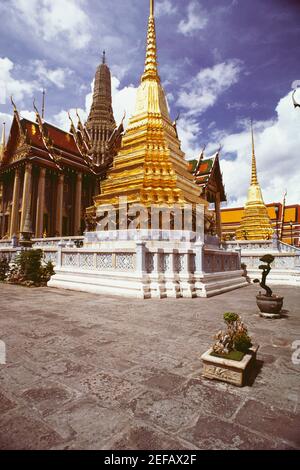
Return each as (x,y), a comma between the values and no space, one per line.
(151,71)
(3,135)
(254,180)
(2,143)
(43,104)
(151,7)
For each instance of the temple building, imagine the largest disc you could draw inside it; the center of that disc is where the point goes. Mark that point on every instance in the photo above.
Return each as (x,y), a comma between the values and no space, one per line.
(51,175)
(208,177)
(255,223)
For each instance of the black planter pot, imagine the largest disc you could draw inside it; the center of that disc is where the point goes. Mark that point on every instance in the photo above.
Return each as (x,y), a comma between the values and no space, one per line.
(269,306)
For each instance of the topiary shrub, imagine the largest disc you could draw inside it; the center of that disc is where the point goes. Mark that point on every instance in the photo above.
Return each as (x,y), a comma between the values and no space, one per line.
(266,268)
(230,317)
(4,268)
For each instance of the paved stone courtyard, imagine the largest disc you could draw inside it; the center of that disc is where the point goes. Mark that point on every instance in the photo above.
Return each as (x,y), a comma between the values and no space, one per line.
(91,372)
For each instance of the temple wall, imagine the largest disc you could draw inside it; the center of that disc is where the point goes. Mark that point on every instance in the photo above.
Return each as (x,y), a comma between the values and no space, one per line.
(285,267)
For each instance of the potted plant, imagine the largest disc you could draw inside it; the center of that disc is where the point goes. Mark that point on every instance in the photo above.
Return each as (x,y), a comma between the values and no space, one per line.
(233,353)
(269,304)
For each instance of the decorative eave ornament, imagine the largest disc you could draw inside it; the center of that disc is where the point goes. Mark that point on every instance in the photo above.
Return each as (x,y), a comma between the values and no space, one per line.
(296,105)
(53,154)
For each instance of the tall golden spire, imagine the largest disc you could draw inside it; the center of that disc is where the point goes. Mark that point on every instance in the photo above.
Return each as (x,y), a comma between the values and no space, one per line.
(255,223)
(254,169)
(151,68)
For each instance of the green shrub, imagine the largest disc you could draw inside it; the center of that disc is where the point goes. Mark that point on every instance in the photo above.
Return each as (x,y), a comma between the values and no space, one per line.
(230,317)
(28,269)
(4,268)
(235,338)
(242,342)
(30,264)
(46,272)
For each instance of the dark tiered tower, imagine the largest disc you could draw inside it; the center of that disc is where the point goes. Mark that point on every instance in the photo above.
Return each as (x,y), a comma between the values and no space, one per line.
(101,123)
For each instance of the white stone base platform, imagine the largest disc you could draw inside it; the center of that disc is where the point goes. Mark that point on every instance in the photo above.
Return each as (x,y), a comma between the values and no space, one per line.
(153,268)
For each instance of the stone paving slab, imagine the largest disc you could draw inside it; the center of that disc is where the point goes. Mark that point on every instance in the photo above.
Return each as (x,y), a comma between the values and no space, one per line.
(93,372)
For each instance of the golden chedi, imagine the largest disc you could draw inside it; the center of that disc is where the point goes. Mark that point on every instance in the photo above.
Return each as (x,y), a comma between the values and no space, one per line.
(255,223)
(150,168)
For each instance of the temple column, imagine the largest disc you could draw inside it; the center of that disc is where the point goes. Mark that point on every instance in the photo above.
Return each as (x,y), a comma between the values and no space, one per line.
(218,215)
(26,200)
(78,196)
(15,205)
(59,205)
(40,204)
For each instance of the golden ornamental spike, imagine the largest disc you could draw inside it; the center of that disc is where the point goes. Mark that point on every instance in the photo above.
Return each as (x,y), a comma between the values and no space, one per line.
(43,104)
(3,135)
(2,143)
(254,180)
(151,67)
(151,7)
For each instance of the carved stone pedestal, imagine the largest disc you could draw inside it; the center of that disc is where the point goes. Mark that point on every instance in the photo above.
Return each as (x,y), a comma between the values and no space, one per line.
(227,370)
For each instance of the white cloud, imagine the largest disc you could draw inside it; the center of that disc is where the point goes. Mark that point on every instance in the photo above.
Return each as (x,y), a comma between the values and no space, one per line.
(277,151)
(204,89)
(165,7)
(189,133)
(28,115)
(55,77)
(10,85)
(55,19)
(62,120)
(124,99)
(196,20)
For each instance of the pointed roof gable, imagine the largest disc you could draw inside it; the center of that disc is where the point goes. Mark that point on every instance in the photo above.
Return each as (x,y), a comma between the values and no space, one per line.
(27,133)
(208,173)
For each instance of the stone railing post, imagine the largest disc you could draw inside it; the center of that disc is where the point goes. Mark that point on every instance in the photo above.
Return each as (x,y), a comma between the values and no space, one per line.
(199,257)
(60,246)
(172,262)
(140,256)
(186,264)
(238,250)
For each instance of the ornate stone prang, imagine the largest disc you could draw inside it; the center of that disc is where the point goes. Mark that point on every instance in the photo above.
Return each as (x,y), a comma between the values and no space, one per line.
(101,123)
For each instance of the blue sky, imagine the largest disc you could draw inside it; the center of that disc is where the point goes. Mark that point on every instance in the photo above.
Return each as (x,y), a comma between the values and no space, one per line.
(222,62)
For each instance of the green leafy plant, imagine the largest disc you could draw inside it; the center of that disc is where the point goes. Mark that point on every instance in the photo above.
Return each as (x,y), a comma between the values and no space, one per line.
(46,272)
(230,317)
(235,338)
(4,268)
(28,269)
